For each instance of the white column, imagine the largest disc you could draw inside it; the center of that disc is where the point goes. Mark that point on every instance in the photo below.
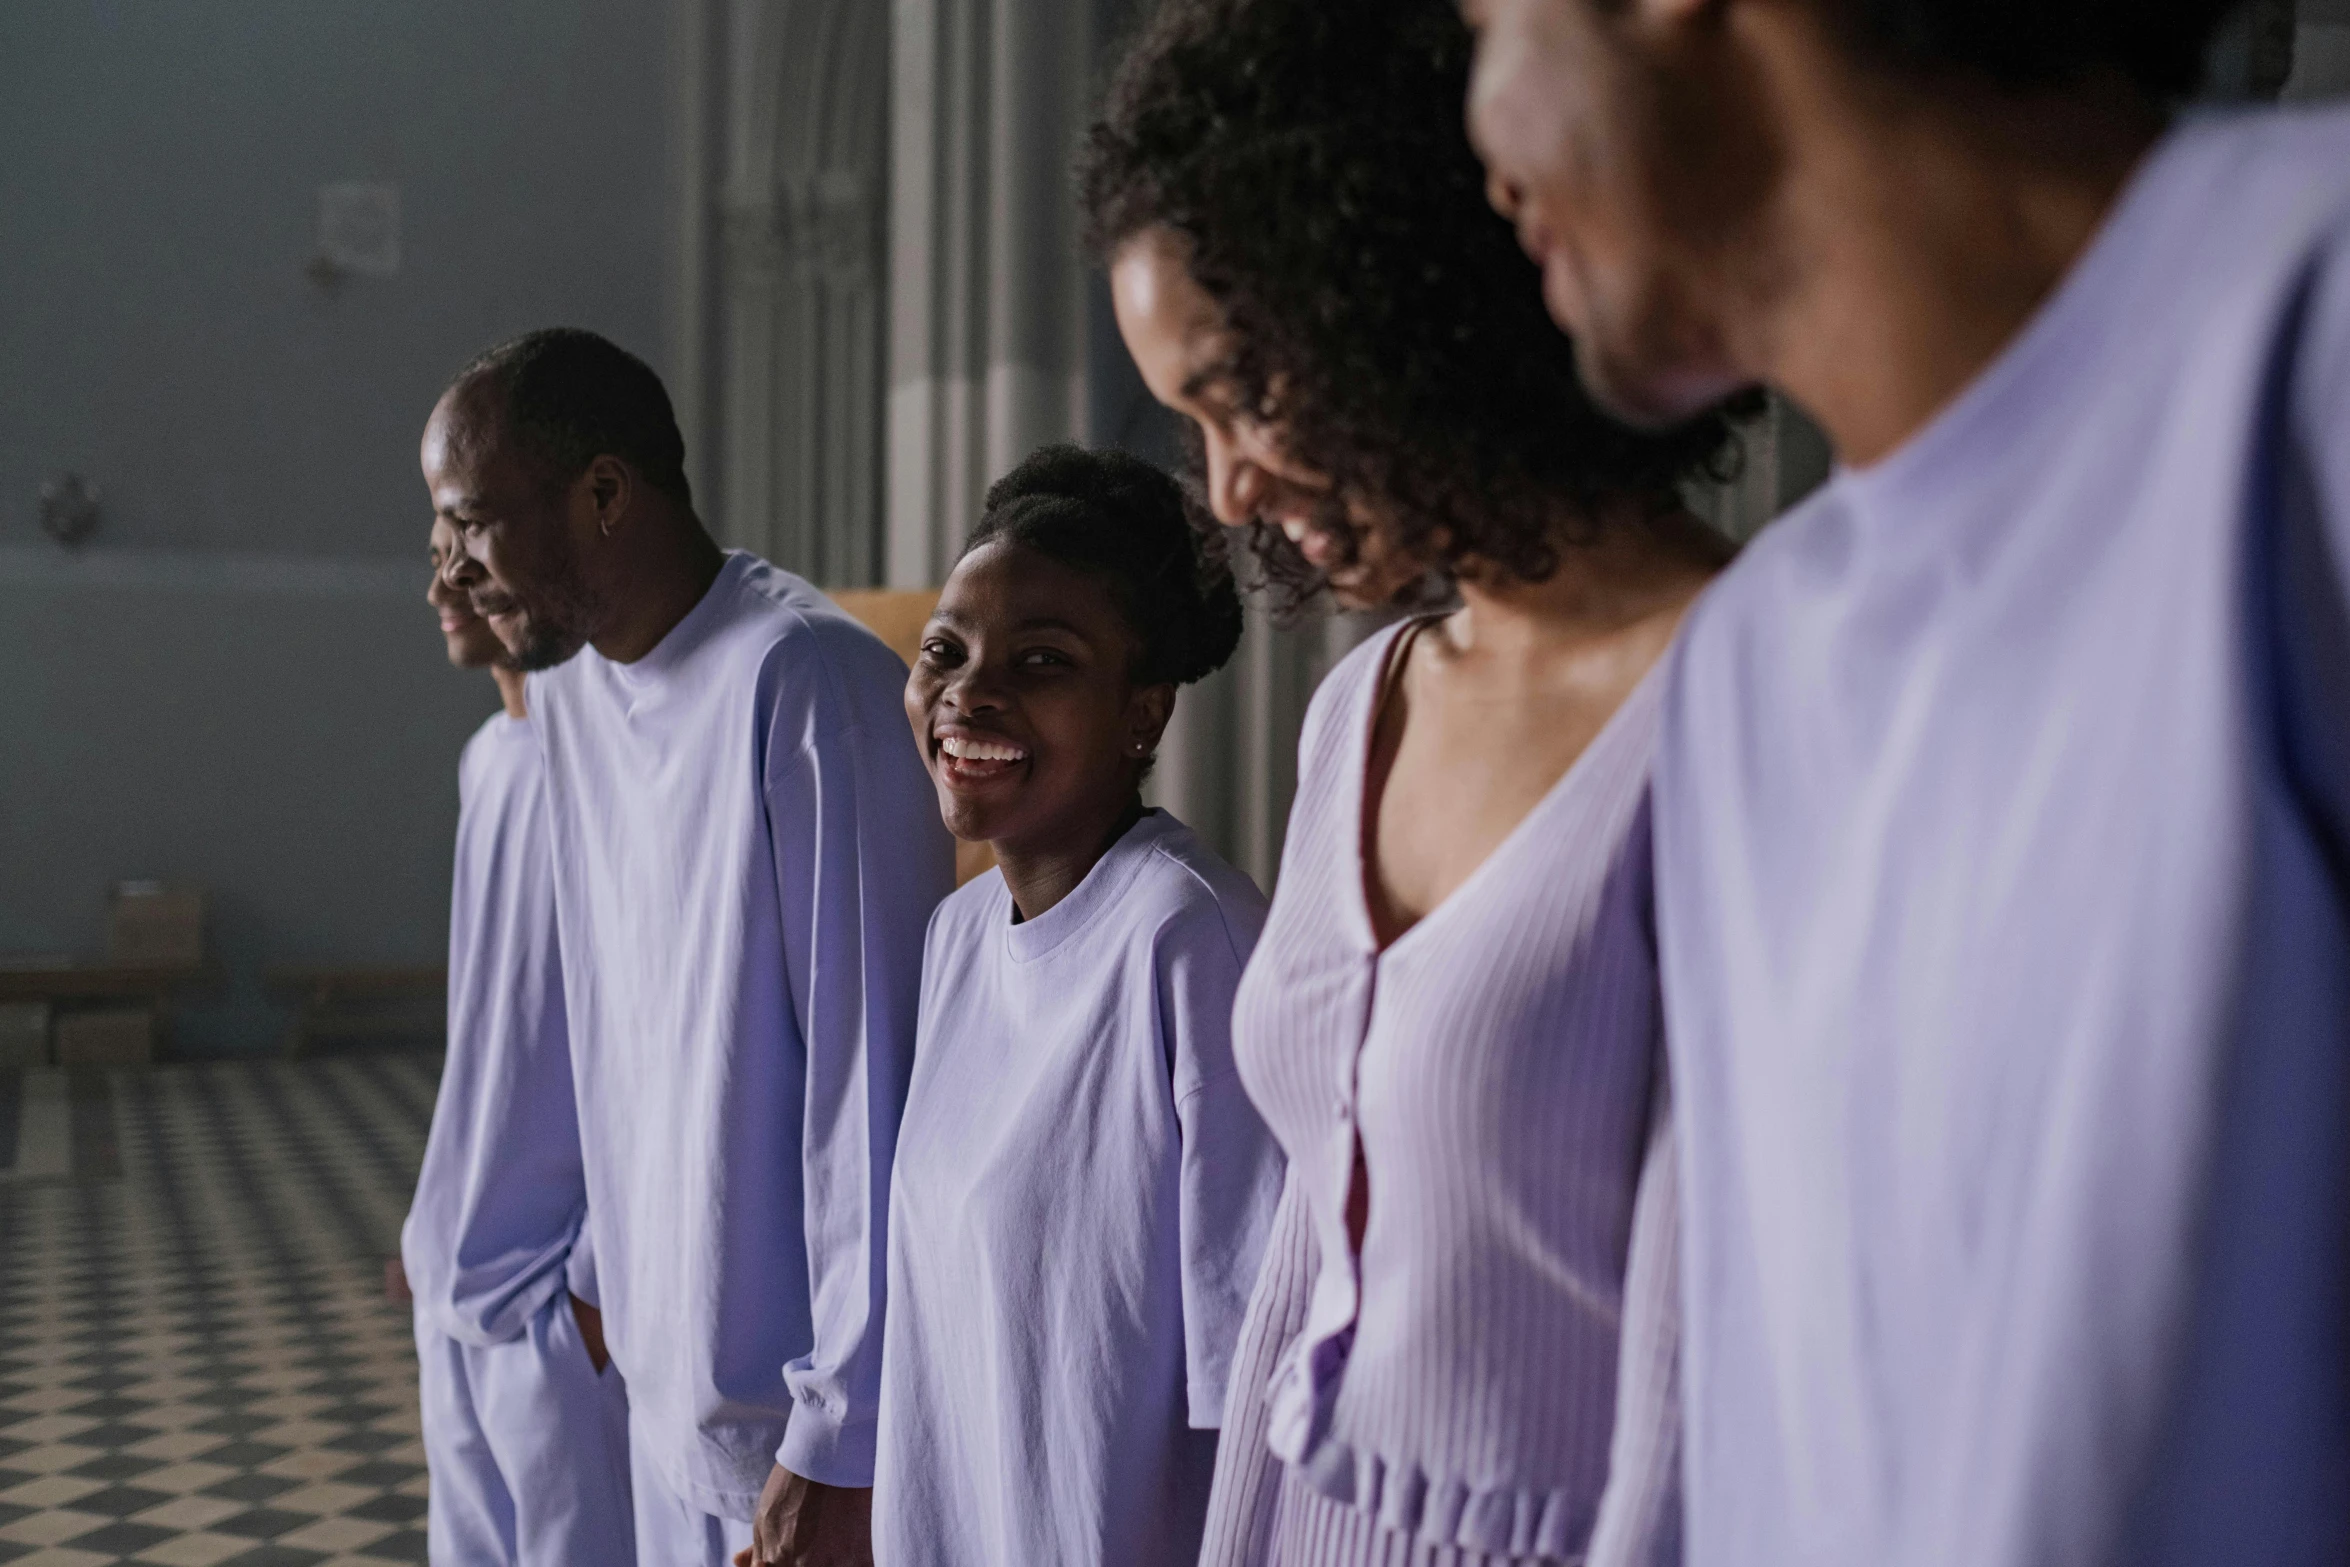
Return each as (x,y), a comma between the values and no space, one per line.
(778,345)
(695,97)
(987,288)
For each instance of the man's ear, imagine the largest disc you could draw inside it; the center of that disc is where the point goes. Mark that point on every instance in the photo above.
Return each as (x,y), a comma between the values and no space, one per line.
(610,487)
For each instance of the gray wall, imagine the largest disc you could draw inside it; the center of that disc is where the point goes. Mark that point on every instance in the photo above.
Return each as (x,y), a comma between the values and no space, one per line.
(2321,52)
(235,683)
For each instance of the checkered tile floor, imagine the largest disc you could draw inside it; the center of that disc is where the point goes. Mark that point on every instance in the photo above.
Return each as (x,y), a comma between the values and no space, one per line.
(198,1363)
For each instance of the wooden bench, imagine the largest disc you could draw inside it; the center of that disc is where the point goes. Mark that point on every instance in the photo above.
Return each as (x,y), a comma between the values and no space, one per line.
(107,1014)
(344,1005)
(56,980)
(115,1012)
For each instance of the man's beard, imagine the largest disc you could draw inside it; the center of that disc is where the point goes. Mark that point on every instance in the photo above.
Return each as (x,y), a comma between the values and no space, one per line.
(556,620)
(544,646)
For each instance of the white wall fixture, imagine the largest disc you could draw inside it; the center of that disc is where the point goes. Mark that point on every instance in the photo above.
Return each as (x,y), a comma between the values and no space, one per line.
(69,509)
(358,231)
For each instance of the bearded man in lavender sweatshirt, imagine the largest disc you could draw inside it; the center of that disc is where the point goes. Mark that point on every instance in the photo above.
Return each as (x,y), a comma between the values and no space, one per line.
(745,856)
(2003,798)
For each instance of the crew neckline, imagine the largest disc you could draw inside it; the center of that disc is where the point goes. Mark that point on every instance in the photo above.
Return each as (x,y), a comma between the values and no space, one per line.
(681,639)
(2069,328)
(1027,940)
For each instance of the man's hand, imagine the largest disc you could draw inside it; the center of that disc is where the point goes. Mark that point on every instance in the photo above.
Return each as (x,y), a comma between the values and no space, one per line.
(803,1524)
(591,1332)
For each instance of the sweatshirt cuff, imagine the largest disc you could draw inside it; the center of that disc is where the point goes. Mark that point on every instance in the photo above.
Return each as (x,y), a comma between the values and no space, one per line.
(826,1449)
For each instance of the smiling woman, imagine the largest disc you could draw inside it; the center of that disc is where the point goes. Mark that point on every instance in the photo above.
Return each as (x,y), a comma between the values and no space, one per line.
(1460,1350)
(1305,266)
(1048,671)
(1082,1187)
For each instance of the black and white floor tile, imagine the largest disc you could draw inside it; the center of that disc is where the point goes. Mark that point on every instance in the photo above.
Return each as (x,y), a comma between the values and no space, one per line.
(199,1366)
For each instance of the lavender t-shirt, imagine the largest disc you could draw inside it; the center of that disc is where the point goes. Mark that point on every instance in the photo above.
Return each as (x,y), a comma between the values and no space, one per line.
(495,1230)
(1082,1192)
(2003,834)
(746,852)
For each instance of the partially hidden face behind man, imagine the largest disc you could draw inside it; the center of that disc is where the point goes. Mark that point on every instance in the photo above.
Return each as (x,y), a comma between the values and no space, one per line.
(472,644)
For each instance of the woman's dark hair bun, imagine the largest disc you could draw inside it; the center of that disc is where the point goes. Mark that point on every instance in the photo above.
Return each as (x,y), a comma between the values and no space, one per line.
(1112,514)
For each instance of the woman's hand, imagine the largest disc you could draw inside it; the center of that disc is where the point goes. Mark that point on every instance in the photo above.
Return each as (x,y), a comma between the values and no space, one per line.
(801,1523)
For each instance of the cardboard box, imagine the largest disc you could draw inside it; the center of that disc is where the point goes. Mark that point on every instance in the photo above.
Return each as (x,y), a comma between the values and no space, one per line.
(24,1035)
(156,926)
(116,1036)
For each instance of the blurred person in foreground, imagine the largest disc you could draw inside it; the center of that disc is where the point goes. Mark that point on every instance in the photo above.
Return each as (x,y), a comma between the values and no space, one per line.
(525,1420)
(745,855)
(2003,804)
(1460,1351)
(1083,1189)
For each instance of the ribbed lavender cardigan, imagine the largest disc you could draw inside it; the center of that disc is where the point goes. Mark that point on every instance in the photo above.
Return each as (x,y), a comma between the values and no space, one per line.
(1493,1378)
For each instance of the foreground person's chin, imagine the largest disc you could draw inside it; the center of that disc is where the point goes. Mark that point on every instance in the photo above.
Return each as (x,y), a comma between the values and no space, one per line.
(969,820)
(1639,395)
(532,652)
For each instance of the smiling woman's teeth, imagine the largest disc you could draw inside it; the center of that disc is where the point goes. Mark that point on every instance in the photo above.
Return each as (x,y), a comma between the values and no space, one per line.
(980,750)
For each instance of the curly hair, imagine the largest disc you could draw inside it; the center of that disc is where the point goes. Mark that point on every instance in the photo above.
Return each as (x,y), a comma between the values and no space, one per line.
(2159,45)
(1114,516)
(1311,158)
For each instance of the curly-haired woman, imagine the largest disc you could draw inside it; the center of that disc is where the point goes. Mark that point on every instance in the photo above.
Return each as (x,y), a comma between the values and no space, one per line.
(1461,1348)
